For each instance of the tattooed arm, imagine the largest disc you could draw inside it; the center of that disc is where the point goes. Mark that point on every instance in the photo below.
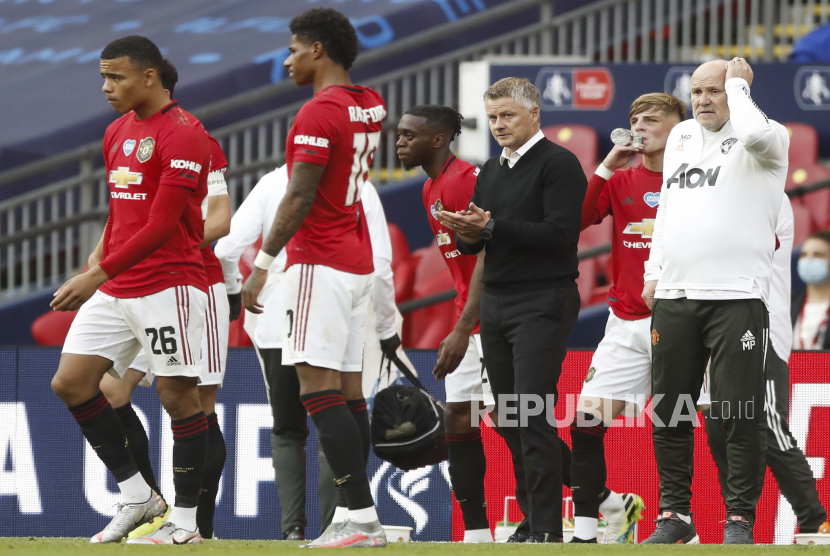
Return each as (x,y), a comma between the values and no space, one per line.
(295,206)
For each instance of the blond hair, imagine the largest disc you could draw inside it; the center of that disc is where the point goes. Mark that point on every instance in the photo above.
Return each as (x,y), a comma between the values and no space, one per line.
(665,102)
(522,91)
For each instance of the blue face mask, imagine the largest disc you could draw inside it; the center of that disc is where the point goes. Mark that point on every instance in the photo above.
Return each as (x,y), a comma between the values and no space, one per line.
(813,271)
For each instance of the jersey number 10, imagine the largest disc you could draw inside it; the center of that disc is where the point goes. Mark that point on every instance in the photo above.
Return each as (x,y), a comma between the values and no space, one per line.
(365,145)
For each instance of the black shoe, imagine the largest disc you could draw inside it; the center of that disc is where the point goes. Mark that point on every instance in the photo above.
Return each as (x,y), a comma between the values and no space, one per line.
(521,534)
(673,530)
(737,530)
(294,534)
(538,538)
(583,541)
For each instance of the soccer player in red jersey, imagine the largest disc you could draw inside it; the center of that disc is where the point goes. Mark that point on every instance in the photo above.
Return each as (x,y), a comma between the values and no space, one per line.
(424,137)
(148,292)
(620,375)
(328,277)
(216,211)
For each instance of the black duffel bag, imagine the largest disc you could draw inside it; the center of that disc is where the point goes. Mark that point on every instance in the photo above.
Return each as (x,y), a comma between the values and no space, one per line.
(408,424)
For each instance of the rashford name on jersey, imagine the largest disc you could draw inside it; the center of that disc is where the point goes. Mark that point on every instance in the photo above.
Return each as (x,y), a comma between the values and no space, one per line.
(170,148)
(339,129)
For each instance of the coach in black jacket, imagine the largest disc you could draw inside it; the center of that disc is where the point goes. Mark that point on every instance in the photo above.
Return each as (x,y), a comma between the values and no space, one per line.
(530,200)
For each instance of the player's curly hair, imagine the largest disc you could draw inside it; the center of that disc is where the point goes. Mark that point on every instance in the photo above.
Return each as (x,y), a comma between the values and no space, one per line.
(443,116)
(331,29)
(169,76)
(141,51)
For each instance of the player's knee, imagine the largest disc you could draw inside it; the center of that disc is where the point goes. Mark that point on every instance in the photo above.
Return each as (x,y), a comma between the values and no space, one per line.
(458,418)
(60,387)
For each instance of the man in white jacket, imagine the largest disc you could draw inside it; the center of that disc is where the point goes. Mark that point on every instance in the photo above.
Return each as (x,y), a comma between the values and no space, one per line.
(252,219)
(708,276)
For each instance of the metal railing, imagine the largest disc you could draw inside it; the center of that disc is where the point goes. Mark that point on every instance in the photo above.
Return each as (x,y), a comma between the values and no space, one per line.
(47,234)
(434,299)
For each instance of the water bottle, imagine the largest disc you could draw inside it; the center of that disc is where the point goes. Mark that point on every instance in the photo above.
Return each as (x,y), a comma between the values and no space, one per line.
(626,138)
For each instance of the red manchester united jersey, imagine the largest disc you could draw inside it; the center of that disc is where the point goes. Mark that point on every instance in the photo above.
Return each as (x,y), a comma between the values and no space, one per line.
(167,149)
(218,163)
(631,196)
(452,191)
(338,128)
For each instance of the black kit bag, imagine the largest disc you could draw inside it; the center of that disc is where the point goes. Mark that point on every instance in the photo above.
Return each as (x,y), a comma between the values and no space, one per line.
(408,424)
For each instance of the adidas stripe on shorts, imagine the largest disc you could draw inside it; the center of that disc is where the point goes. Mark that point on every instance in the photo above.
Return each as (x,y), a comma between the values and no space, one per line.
(214,346)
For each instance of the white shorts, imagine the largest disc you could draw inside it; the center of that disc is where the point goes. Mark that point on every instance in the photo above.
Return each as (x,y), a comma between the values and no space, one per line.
(325,317)
(214,348)
(118,328)
(469,381)
(621,366)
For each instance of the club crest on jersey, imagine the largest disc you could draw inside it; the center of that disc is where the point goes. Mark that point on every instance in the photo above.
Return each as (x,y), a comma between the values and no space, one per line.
(727,145)
(652,199)
(129,147)
(443,238)
(145,149)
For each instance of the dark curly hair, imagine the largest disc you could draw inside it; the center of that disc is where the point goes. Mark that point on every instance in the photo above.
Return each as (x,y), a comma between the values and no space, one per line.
(169,76)
(443,116)
(141,51)
(331,29)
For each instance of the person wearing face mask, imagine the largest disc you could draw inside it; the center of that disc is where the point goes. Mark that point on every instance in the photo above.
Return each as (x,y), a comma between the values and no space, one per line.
(811,307)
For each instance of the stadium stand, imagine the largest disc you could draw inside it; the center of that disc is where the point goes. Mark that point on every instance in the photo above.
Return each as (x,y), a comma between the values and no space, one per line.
(803,143)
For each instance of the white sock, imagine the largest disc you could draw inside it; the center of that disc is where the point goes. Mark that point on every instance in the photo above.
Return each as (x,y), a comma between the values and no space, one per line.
(685,518)
(366,515)
(135,490)
(614,503)
(478,536)
(585,528)
(341,514)
(184,518)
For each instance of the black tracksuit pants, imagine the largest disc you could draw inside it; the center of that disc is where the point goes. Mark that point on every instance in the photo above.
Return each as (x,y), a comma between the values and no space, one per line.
(288,445)
(735,334)
(524,337)
(785,459)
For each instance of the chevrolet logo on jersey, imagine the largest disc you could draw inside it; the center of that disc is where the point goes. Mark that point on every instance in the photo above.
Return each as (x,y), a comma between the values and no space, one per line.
(443,238)
(644,228)
(693,178)
(124,178)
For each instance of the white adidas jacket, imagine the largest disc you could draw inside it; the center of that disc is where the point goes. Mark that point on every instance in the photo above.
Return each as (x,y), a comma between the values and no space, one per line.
(714,236)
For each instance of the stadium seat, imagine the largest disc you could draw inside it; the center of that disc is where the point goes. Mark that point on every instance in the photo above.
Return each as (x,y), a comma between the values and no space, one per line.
(404,277)
(594,236)
(587,280)
(400,247)
(425,328)
(50,329)
(803,143)
(579,139)
(817,202)
(803,225)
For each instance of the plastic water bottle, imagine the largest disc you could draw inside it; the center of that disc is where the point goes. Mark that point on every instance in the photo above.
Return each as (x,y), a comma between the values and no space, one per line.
(626,138)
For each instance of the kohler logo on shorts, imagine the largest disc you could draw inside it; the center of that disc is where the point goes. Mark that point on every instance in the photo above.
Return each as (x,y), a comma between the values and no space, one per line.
(693,178)
(748,341)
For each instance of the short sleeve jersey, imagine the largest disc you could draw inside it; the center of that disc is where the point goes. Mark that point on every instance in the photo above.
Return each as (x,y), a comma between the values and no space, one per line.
(168,149)
(216,186)
(340,129)
(452,191)
(631,196)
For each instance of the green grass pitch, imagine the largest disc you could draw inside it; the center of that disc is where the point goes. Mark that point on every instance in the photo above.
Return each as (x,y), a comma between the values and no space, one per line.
(20,546)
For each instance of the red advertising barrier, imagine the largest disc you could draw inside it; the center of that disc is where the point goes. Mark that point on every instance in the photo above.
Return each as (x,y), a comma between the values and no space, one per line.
(632,468)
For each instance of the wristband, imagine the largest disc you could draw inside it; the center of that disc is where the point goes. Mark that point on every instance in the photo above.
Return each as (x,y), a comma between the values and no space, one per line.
(263,260)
